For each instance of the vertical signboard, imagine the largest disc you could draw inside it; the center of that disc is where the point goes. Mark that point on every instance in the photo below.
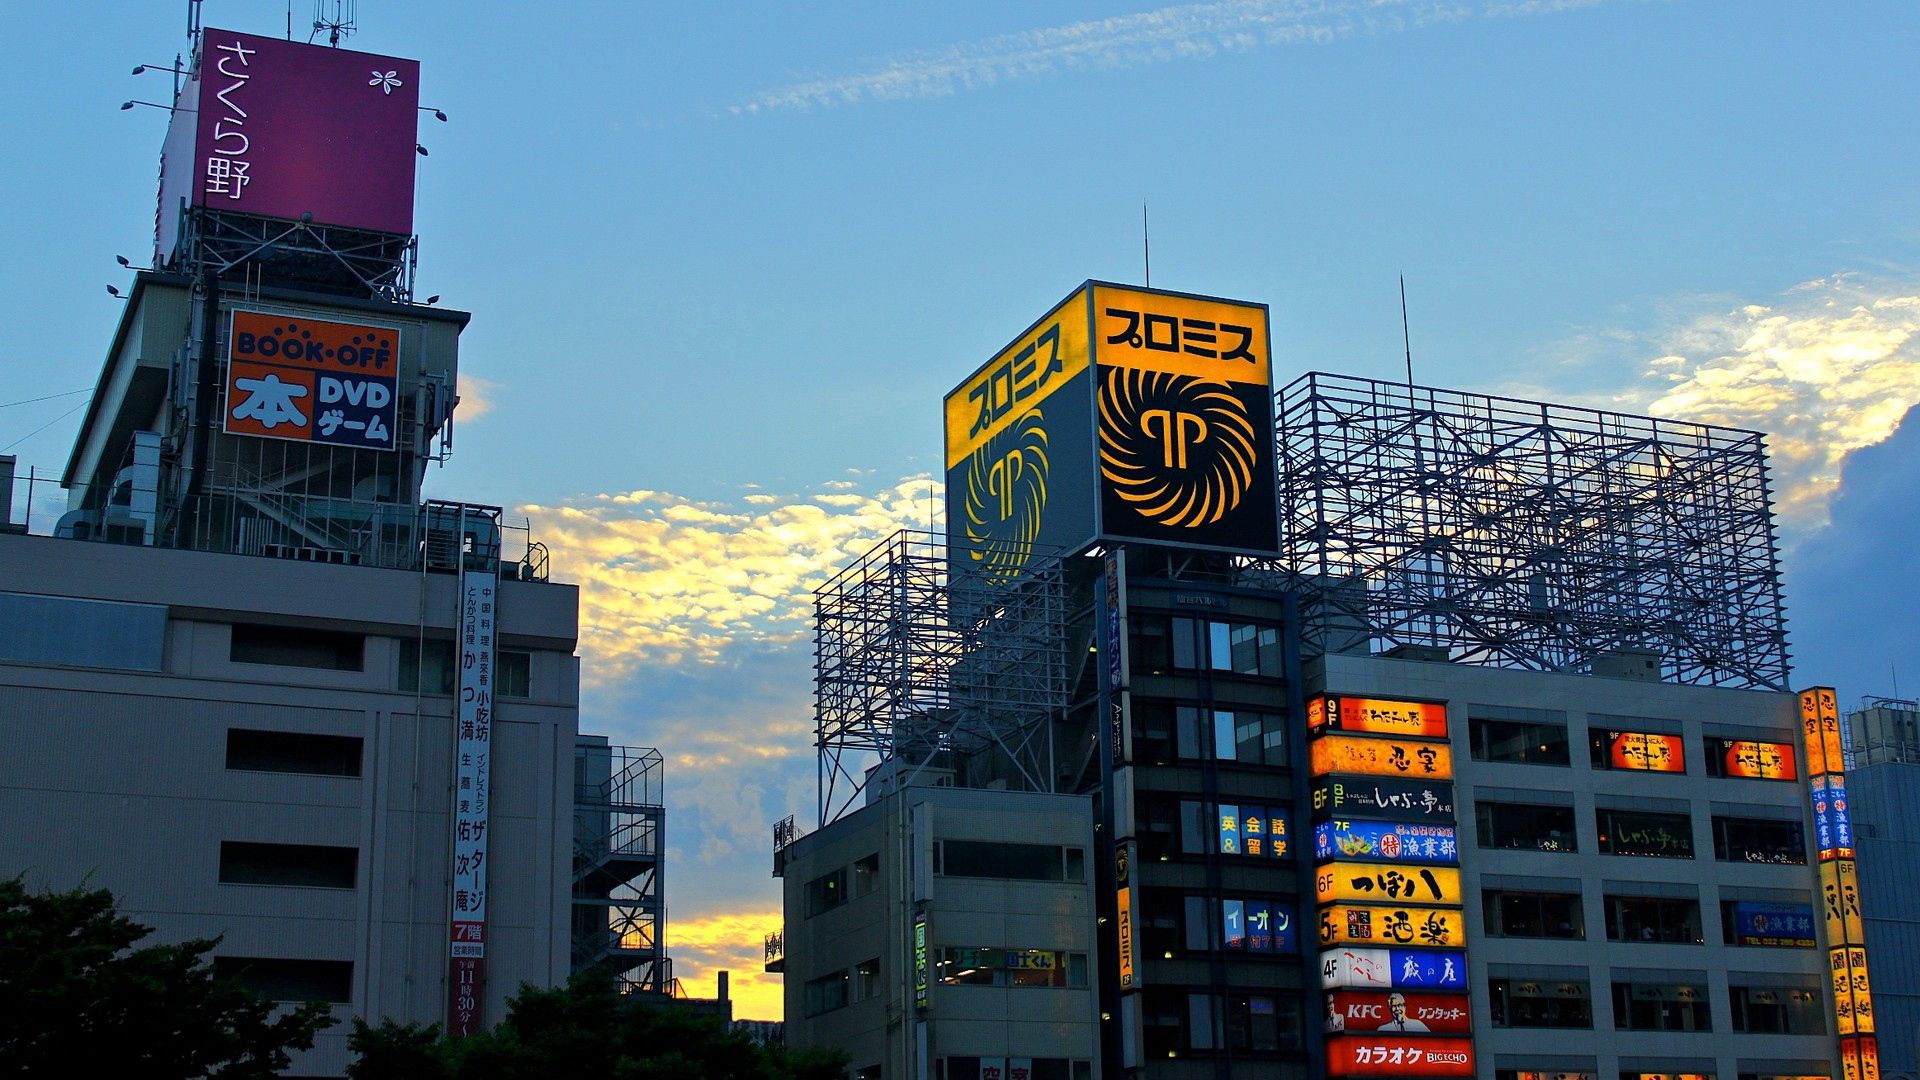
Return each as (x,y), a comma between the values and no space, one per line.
(920,979)
(1123,877)
(1839,884)
(311,380)
(290,130)
(473,717)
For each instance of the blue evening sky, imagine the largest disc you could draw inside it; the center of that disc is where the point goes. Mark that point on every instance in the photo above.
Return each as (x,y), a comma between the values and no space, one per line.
(733,254)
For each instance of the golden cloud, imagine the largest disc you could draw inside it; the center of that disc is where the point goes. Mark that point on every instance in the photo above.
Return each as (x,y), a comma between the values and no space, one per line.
(666,580)
(1828,368)
(733,941)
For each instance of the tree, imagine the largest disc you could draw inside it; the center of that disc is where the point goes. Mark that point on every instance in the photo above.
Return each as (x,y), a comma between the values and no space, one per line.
(586,1028)
(77,999)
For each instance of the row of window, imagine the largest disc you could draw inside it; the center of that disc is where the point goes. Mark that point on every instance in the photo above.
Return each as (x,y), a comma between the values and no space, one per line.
(1169,827)
(969,966)
(1009,862)
(838,989)
(1655,919)
(1545,743)
(1007,1068)
(1165,732)
(841,884)
(1645,1006)
(1638,832)
(425,666)
(1178,1021)
(1163,644)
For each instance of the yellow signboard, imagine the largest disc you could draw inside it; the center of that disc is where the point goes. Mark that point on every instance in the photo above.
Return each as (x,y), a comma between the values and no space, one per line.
(1125,931)
(1392,926)
(1820,725)
(1016,381)
(1840,900)
(1852,991)
(1410,758)
(1181,335)
(1386,883)
(1419,719)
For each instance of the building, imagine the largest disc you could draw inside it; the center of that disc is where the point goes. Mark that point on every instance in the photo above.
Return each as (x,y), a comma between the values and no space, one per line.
(1884,791)
(262,688)
(1469,751)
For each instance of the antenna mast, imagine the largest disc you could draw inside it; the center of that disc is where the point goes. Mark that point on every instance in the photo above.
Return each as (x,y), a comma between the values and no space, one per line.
(335,17)
(1406,337)
(1146,248)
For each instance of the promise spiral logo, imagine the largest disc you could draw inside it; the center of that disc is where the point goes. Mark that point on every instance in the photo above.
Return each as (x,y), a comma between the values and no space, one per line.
(1006,496)
(1179,449)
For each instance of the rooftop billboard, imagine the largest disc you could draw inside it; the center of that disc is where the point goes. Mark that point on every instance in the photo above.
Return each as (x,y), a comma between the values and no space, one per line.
(284,129)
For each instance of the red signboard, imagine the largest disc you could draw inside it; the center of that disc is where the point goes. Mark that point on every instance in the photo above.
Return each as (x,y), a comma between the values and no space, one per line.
(1649,753)
(1397,1055)
(1380,716)
(1397,1013)
(286,129)
(1759,760)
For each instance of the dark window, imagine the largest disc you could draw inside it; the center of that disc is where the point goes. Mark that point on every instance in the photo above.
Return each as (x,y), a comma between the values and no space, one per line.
(277,979)
(1152,731)
(513,674)
(1518,741)
(81,633)
(1534,915)
(1014,862)
(293,752)
(289,646)
(1252,738)
(1750,840)
(435,658)
(866,875)
(826,993)
(1661,1007)
(1152,644)
(1526,827)
(826,892)
(1262,1022)
(288,864)
(1239,648)
(866,979)
(1009,967)
(1779,1010)
(1655,919)
(1548,1003)
(1634,832)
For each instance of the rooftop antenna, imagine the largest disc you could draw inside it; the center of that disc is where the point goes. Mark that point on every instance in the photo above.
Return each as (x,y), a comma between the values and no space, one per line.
(1406,338)
(193,21)
(1146,247)
(335,17)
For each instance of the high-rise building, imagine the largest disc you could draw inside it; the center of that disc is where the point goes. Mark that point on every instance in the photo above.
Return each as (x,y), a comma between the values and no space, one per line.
(1883,788)
(257,684)
(1423,733)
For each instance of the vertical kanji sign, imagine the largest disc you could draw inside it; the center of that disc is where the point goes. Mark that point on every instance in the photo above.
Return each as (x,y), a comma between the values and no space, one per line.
(1839,883)
(473,715)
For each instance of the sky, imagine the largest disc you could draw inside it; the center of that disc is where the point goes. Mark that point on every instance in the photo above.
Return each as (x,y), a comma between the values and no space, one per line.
(724,259)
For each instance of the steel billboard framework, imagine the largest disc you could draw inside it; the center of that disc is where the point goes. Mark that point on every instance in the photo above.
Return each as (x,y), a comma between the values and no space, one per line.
(1525,534)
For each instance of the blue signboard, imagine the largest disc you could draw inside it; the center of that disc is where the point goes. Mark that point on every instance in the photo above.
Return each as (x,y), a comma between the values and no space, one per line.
(1423,969)
(1837,806)
(1774,925)
(1256,926)
(1380,841)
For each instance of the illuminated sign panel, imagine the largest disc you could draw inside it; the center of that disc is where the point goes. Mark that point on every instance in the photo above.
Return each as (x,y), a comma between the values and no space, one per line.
(1018,437)
(1396,1055)
(1359,924)
(1393,969)
(285,129)
(1385,883)
(1369,1010)
(1647,753)
(1782,926)
(1758,760)
(1839,884)
(1124,925)
(310,380)
(1377,716)
(1860,1058)
(1261,926)
(920,960)
(1185,407)
(1832,821)
(1382,797)
(1385,841)
(473,782)
(1256,831)
(1380,757)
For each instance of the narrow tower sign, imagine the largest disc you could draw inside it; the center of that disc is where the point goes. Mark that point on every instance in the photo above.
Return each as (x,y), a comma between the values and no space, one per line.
(467,952)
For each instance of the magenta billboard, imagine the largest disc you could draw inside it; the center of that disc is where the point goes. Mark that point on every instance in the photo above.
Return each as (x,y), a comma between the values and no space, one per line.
(285,129)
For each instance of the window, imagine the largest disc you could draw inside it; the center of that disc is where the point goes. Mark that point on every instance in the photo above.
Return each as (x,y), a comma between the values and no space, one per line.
(1653,919)
(1012,862)
(1008,1068)
(1251,831)
(1641,1006)
(866,979)
(435,658)
(1638,751)
(1525,827)
(826,993)
(1151,644)
(287,646)
(1534,915)
(1518,741)
(1262,1022)
(513,674)
(866,875)
(1758,841)
(1778,1010)
(1228,647)
(826,892)
(292,752)
(277,979)
(1635,832)
(1009,967)
(1540,1003)
(1235,1020)
(1252,738)
(309,865)
(82,633)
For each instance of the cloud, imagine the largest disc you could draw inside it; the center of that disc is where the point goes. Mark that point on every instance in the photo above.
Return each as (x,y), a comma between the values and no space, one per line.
(1177,32)
(666,580)
(477,396)
(1827,368)
(734,941)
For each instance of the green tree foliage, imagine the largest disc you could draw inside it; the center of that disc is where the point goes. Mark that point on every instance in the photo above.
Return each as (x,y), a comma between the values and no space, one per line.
(77,999)
(586,1028)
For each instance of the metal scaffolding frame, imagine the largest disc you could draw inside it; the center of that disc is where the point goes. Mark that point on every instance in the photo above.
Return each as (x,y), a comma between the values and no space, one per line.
(918,662)
(619,854)
(1524,534)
